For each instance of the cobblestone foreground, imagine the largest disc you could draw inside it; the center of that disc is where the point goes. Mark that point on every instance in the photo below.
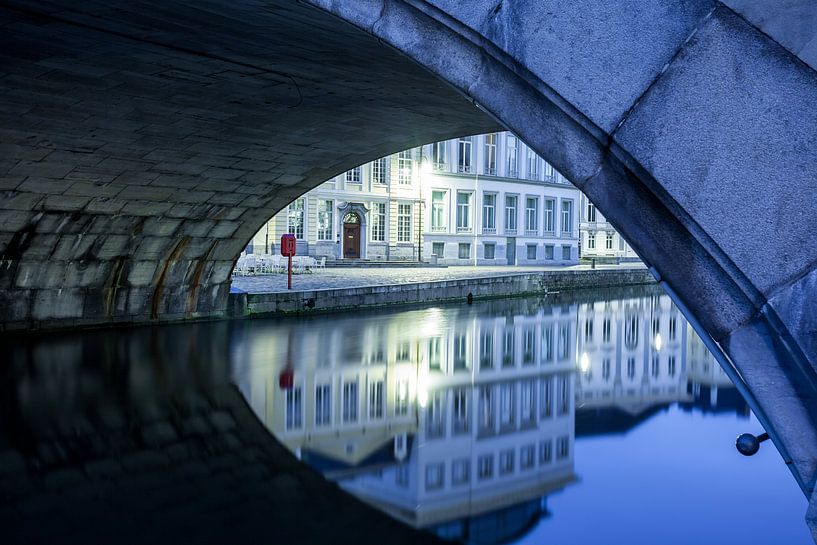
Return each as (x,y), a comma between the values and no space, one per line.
(355,278)
(139,438)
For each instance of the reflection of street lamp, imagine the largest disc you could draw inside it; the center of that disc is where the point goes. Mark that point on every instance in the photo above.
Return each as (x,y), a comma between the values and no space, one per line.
(584,363)
(657,342)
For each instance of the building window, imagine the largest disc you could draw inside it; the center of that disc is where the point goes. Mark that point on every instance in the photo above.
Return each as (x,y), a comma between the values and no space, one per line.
(526,457)
(631,368)
(673,328)
(485,467)
(512,149)
(567,217)
(606,328)
(323,405)
(435,416)
(486,409)
(378,222)
(403,223)
(531,252)
(460,471)
(546,409)
(438,248)
(438,219)
(510,214)
(486,349)
(566,252)
(464,250)
(591,212)
(562,447)
(490,154)
(350,402)
(460,352)
(489,213)
(295,218)
(435,476)
(533,164)
(549,251)
(671,366)
(506,459)
(434,353)
(376,399)
(439,156)
(508,348)
(325,223)
(545,452)
(353,175)
(547,343)
(379,171)
(655,367)
(463,211)
(609,241)
(529,346)
(563,349)
(549,173)
(605,369)
(591,241)
(507,405)
(294,408)
(527,402)
(460,417)
(489,249)
(532,215)
(563,396)
(550,206)
(464,154)
(404,167)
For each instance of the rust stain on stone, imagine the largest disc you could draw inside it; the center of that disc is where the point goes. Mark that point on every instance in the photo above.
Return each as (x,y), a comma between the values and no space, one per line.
(195,280)
(156,298)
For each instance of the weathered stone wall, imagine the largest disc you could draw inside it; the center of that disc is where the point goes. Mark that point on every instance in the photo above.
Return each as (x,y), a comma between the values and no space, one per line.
(333,300)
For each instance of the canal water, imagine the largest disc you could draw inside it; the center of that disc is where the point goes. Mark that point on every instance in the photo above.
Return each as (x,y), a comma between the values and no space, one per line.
(588,418)
(580,418)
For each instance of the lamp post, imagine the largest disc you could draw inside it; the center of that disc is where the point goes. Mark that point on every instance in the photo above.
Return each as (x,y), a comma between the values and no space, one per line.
(425,169)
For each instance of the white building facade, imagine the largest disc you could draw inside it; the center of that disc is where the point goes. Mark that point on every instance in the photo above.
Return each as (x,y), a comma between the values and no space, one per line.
(599,239)
(477,200)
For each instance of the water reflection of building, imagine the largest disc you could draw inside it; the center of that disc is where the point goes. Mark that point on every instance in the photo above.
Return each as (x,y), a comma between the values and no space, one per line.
(463,420)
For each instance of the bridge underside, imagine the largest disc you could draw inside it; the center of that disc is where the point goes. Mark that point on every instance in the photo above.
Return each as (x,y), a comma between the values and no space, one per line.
(143,143)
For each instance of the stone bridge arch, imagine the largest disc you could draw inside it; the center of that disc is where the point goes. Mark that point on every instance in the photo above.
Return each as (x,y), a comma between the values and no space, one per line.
(139,153)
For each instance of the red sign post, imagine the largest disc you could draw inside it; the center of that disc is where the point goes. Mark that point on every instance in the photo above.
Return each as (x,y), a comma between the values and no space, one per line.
(288,247)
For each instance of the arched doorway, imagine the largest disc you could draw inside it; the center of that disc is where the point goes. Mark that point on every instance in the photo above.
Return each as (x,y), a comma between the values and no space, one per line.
(351,236)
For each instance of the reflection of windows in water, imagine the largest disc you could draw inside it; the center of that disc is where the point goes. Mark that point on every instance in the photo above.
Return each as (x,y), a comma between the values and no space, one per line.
(323,405)
(562,447)
(529,347)
(564,341)
(401,475)
(630,329)
(435,475)
(547,343)
(435,415)
(485,466)
(655,362)
(605,330)
(506,461)
(460,347)
(605,369)
(526,457)
(486,408)
(588,331)
(376,399)
(401,402)
(507,412)
(507,348)
(671,366)
(527,401)
(294,408)
(486,349)
(564,395)
(656,325)
(630,368)
(545,452)
(547,397)
(673,328)
(403,352)
(460,471)
(350,401)
(434,345)
(460,417)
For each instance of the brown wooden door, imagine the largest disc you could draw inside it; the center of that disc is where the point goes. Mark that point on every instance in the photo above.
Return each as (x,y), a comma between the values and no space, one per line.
(351,240)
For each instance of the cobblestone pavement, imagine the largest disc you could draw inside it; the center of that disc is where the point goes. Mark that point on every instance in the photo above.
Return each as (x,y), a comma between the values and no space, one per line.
(353,278)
